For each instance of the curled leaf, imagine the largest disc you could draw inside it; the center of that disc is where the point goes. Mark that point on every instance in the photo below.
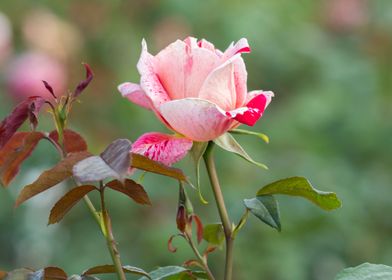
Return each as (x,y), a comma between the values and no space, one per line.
(300,186)
(51,177)
(83,84)
(228,143)
(69,200)
(49,88)
(262,136)
(26,109)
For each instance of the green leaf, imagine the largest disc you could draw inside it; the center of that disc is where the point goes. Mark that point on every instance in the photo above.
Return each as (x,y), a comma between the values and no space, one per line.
(262,136)
(109,268)
(174,272)
(197,153)
(366,271)
(300,186)
(69,200)
(51,177)
(241,223)
(228,143)
(214,234)
(146,164)
(266,209)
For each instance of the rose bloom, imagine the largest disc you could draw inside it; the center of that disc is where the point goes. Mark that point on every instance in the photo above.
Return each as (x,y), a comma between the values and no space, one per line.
(196,90)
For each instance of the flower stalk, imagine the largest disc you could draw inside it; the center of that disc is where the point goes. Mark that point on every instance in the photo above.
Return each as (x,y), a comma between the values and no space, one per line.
(220,203)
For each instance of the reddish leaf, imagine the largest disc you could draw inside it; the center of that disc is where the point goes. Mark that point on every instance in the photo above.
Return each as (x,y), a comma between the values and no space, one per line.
(49,88)
(170,246)
(210,248)
(69,200)
(2,274)
(17,149)
(73,142)
(83,84)
(51,177)
(109,268)
(199,228)
(131,189)
(54,273)
(26,109)
(144,163)
(190,263)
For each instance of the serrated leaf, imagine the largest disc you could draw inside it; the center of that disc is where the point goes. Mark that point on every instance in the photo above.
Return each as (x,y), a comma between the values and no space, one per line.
(109,268)
(214,234)
(131,189)
(262,136)
(26,109)
(366,271)
(197,152)
(14,152)
(73,142)
(266,209)
(146,164)
(19,274)
(165,272)
(51,177)
(69,200)
(300,186)
(228,143)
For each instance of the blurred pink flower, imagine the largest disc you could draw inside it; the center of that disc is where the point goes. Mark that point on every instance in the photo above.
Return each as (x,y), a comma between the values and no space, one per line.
(5,38)
(346,15)
(196,90)
(27,71)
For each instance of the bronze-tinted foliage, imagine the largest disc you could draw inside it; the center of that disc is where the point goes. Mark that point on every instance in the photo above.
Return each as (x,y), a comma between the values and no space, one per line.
(2,274)
(131,189)
(73,142)
(146,164)
(15,151)
(54,273)
(51,177)
(69,200)
(26,109)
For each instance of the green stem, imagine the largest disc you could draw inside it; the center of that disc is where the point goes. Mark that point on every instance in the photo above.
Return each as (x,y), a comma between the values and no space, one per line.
(220,203)
(110,240)
(202,261)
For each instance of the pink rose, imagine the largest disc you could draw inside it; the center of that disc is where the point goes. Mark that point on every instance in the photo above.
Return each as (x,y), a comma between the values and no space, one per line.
(196,90)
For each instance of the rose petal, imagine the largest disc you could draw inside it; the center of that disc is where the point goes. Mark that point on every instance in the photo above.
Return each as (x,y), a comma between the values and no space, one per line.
(183,69)
(250,114)
(161,147)
(219,87)
(240,80)
(135,94)
(206,45)
(149,81)
(197,119)
(191,42)
(241,46)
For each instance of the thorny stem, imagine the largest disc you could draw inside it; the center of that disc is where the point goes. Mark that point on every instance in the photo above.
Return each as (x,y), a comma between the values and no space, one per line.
(202,260)
(110,240)
(220,203)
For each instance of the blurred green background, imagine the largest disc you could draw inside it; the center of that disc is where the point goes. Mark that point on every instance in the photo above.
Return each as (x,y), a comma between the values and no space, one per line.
(330,66)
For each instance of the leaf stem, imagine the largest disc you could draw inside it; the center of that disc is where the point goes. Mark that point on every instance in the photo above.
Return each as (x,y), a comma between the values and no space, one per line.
(108,233)
(220,203)
(202,260)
